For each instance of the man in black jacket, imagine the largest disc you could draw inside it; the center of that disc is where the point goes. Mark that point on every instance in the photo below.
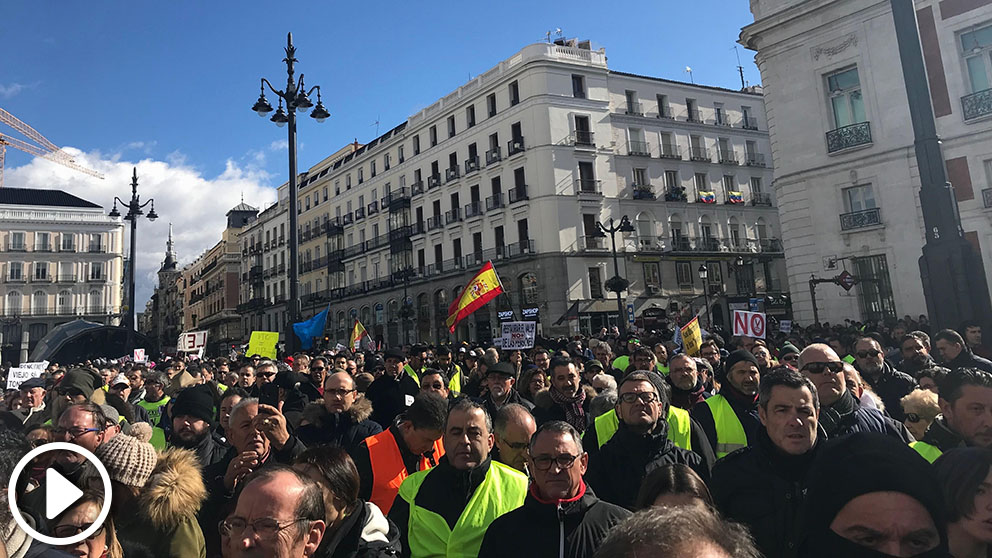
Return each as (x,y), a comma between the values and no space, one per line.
(501,379)
(313,386)
(341,419)
(192,417)
(955,354)
(762,485)
(890,384)
(914,347)
(392,392)
(962,393)
(560,511)
(841,413)
(640,444)
(566,400)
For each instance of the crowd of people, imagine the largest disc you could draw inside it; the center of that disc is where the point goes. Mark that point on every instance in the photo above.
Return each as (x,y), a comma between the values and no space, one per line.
(836,440)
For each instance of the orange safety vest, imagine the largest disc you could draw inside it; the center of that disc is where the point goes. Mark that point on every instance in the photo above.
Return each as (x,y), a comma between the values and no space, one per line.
(388,470)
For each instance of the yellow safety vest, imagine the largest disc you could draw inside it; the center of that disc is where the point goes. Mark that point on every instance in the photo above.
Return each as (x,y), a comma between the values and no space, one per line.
(679,427)
(158,439)
(455,383)
(503,490)
(620,363)
(413,374)
(929,452)
(662,369)
(730,435)
(154,409)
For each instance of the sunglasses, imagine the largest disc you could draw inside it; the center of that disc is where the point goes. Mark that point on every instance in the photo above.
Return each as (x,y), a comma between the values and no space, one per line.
(791,357)
(317,368)
(913,417)
(65,531)
(866,354)
(820,367)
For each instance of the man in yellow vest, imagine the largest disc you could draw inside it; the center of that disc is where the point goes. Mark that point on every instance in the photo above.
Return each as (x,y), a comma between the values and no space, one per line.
(965,418)
(416,362)
(641,442)
(730,418)
(155,398)
(451,370)
(445,510)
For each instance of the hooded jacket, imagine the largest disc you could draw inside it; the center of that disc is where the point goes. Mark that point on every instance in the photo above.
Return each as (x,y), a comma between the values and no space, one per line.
(617,470)
(571,528)
(347,430)
(366,533)
(163,517)
(892,385)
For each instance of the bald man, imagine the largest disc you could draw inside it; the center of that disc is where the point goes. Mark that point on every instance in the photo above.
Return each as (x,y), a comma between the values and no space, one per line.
(841,413)
(513,427)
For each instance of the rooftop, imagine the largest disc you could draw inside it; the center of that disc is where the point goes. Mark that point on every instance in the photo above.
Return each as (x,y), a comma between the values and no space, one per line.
(43,198)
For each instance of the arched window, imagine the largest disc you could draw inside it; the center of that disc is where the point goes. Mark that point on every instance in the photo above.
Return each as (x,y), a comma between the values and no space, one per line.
(366,315)
(645,230)
(528,288)
(64,302)
(379,313)
(678,234)
(342,322)
(392,310)
(761,229)
(423,307)
(95,302)
(13,303)
(441,302)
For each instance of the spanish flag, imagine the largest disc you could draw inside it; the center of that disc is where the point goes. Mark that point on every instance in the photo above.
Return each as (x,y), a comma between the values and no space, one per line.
(355,341)
(484,287)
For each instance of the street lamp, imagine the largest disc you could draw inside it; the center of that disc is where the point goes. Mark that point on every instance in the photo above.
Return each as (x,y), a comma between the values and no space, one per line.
(704,274)
(406,311)
(134,210)
(297,99)
(738,270)
(616,284)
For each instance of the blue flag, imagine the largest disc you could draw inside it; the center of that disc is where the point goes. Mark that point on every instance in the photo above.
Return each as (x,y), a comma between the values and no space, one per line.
(314,327)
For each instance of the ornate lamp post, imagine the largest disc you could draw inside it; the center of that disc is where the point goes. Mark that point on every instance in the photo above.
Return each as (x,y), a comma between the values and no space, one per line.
(616,284)
(704,274)
(134,210)
(297,99)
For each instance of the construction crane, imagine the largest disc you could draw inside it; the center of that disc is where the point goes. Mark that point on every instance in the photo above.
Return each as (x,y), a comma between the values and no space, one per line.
(40,148)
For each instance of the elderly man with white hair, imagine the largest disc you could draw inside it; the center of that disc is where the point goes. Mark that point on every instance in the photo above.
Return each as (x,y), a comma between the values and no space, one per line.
(841,413)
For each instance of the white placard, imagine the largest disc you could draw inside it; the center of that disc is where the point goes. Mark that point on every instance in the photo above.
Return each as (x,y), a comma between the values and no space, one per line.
(785,326)
(25,372)
(192,341)
(749,324)
(139,355)
(518,335)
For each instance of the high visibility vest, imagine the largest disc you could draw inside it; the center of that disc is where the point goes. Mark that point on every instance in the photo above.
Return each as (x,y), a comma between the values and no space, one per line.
(158,439)
(679,427)
(154,409)
(621,362)
(412,373)
(455,383)
(221,387)
(929,452)
(662,369)
(730,435)
(388,469)
(503,490)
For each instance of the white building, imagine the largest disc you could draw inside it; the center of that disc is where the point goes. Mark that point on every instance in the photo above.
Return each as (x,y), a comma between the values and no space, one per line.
(842,142)
(61,259)
(263,286)
(517,166)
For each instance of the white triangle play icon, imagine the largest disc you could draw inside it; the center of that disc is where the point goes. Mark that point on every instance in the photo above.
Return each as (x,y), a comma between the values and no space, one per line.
(59,493)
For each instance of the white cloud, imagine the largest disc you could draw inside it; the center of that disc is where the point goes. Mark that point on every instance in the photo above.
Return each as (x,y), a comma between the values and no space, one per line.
(195,204)
(279,145)
(8,91)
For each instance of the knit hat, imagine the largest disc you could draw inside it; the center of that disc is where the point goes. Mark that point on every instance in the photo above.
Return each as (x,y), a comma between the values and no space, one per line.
(395,353)
(196,402)
(737,357)
(787,349)
(81,379)
(128,460)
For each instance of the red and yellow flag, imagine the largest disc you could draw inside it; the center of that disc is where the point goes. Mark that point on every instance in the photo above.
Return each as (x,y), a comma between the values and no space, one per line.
(484,287)
(354,342)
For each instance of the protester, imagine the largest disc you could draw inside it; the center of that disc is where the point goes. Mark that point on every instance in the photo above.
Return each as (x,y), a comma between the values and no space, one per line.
(672,486)
(532,382)
(500,380)
(33,412)
(313,387)
(965,477)
(931,378)
(561,515)
(890,384)
(341,419)
(192,421)
(435,381)
(920,408)
(354,528)
(155,398)
(683,378)
(914,348)
(78,517)
(664,532)
(965,414)
(955,354)
(412,443)
(971,331)
(392,392)
(467,490)
(567,400)
(730,418)
(513,427)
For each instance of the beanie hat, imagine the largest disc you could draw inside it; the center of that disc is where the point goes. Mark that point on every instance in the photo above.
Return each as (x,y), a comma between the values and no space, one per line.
(738,357)
(196,402)
(81,379)
(128,460)
(787,348)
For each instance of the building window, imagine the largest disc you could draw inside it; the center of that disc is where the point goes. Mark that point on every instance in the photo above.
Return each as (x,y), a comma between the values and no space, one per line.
(701,182)
(347,182)
(399,154)
(15,271)
(451,126)
(68,242)
(416,145)
(64,301)
(433,135)
(663,110)
(325,193)
(578,86)
(40,271)
(846,102)
(683,273)
(671,179)
(755,185)
(17,241)
(641,177)
(14,303)
(361,175)
(372,167)
(859,198)
(491,104)
(875,288)
(729,183)
(514,93)
(96,271)
(652,275)
(470,115)
(528,289)
(976,47)
(96,243)
(595,283)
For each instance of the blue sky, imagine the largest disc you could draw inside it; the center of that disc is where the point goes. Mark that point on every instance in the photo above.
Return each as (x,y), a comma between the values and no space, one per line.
(169,85)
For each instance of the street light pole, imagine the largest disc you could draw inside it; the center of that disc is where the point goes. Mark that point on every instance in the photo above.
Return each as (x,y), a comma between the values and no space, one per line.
(704,274)
(134,210)
(297,98)
(616,284)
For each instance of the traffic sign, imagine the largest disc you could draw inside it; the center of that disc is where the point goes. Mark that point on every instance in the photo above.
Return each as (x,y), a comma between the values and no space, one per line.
(846,280)
(630,313)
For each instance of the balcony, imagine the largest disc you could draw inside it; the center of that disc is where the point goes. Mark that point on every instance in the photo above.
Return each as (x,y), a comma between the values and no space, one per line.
(518,193)
(67,278)
(281,268)
(761,199)
(977,104)
(754,159)
(69,248)
(588,186)
(514,146)
(347,219)
(638,149)
(96,279)
(634,109)
(665,112)
(433,181)
(12,279)
(521,248)
(416,189)
(697,153)
(17,247)
(676,194)
(417,228)
(670,151)
(334,227)
(681,244)
(584,138)
(987,197)
(493,156)
(749,123)
(397,199)
(727,157)
(495,201)
(849,136)
(473,209)
(643,192)
(692,115)
(452,216)
(721,119)
(42,279)
(708,244)
(590,243)
(373,207)
(451,173)
(435,223)
(471,164)
(359,213)
(42,247)
(770,245)
(860,219)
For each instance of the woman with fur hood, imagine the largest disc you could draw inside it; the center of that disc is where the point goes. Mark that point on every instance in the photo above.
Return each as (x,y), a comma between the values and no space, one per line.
(341,419)
(155,496)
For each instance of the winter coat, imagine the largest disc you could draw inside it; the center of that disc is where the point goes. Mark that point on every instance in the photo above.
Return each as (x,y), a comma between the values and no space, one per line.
(892,385)
(847,416)
(366,533)
(163,517)
(391,396)
(744,408)
(764,489)
(968,359)
(687,399)
(513,397)
(617,470)
(582,522)
(210,450)
(546,410)
(346,430)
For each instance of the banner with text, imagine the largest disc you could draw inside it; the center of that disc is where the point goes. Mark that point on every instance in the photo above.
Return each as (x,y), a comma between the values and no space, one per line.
(191,341)
(24,372)
(692,337)
(263,344)
(518,335)
(749,324)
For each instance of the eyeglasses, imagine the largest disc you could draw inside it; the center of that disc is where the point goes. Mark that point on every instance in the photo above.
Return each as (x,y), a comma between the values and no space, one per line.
(73,432)
(37,442)
(317,368)
(435,385)
(516,445)
(264,527)
(69,392)
(564,461)
(645,397)
(65,531)
(866,354)
(266,374)
(913,417)
(338,392)
(820,367)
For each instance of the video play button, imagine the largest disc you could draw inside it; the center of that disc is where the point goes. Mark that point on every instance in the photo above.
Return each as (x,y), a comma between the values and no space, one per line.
(60,493)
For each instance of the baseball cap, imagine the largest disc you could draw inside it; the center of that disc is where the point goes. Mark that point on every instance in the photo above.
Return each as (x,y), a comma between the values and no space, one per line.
(119,379)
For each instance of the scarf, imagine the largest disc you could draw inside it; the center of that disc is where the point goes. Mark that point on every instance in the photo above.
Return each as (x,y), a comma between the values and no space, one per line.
(574,413)
(832,418)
